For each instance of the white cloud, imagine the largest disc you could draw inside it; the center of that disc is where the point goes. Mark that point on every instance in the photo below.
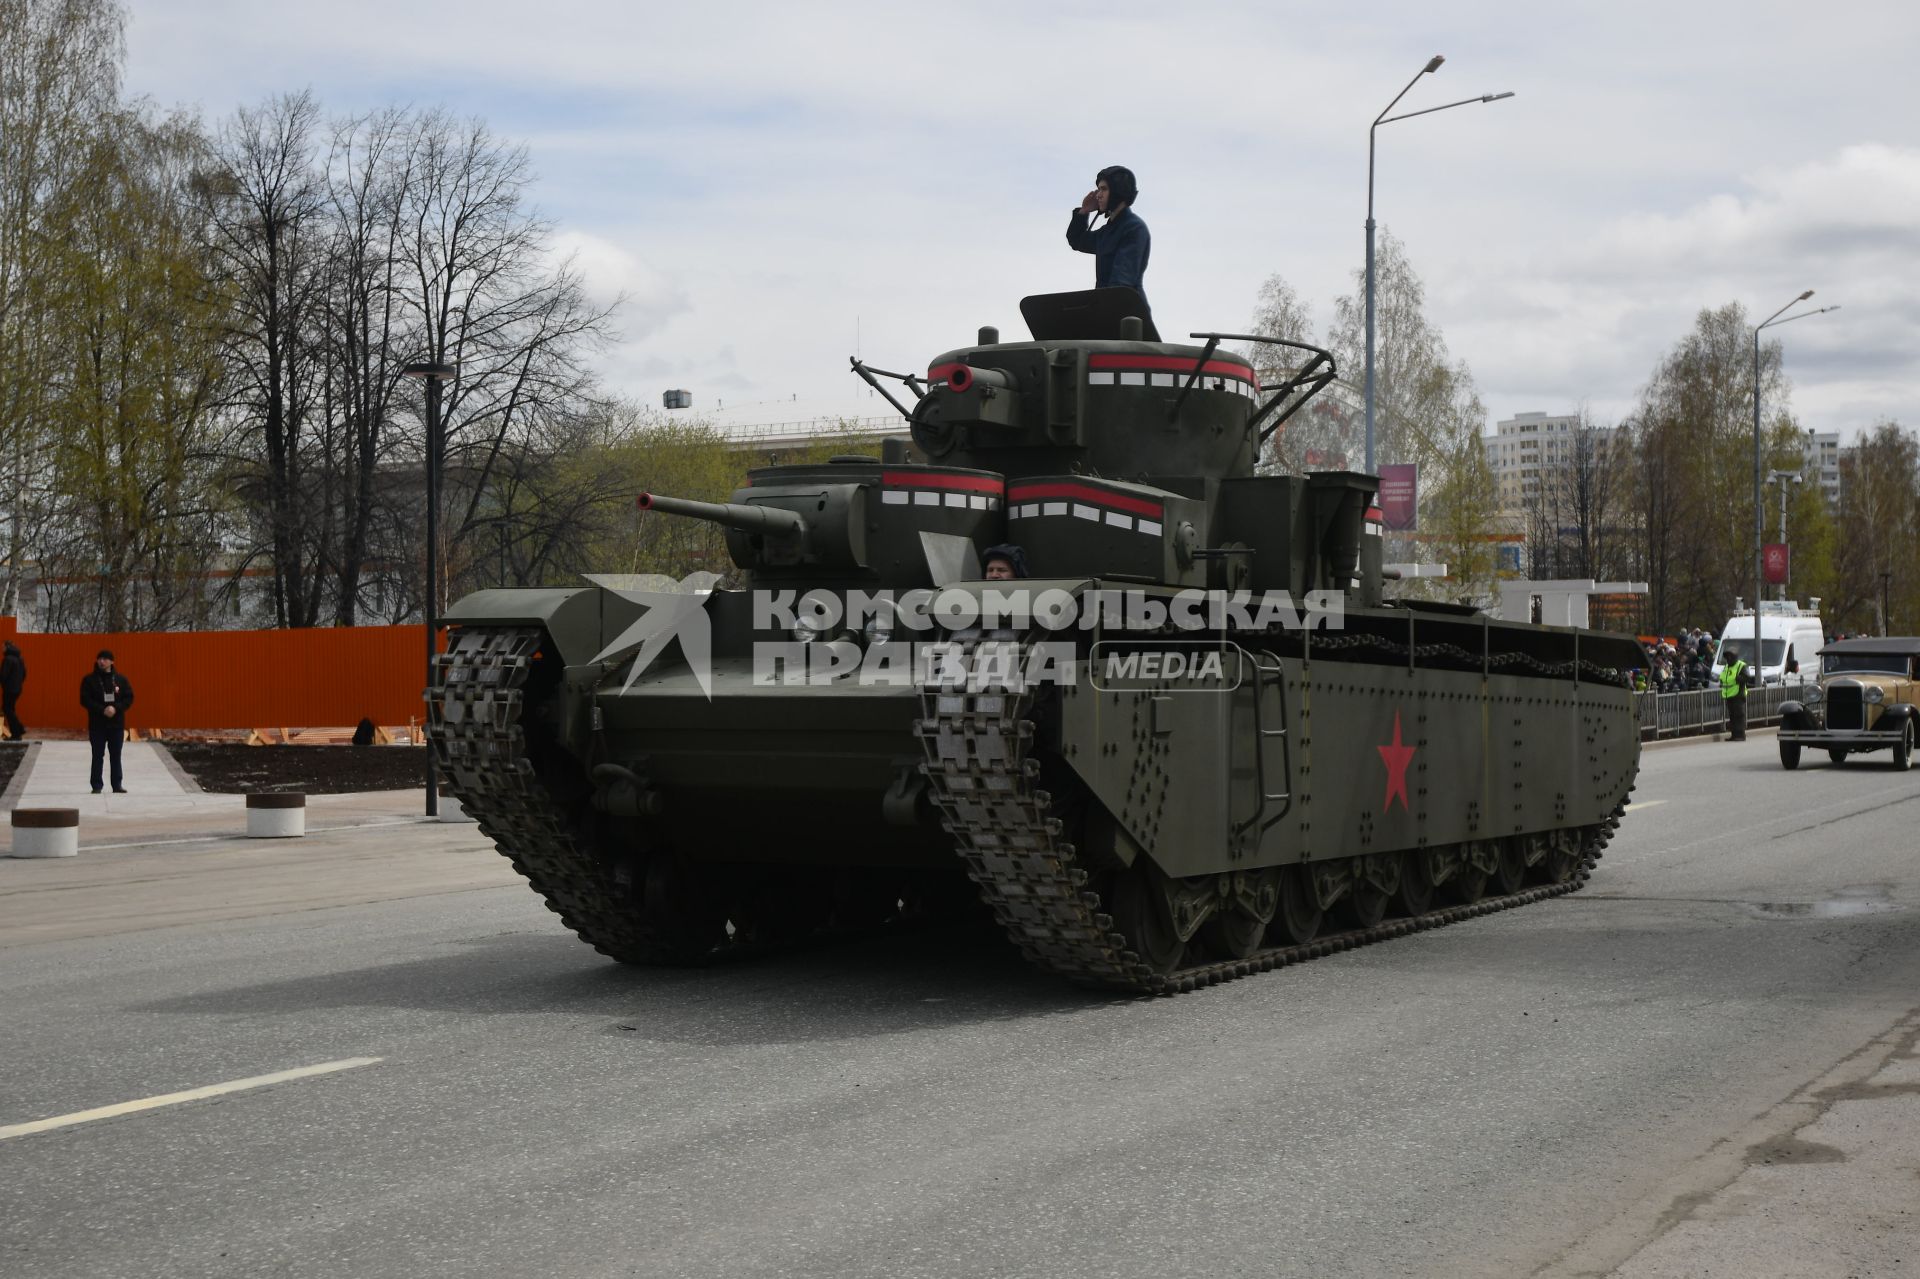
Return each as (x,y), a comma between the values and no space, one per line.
(648,298)
(778,178)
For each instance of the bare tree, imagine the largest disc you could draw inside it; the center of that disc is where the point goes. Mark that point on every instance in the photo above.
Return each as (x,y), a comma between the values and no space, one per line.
(1577,520)
(269,240)
(483,294)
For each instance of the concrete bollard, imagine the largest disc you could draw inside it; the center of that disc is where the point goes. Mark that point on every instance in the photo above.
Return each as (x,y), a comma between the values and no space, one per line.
(276,816)
(46,832)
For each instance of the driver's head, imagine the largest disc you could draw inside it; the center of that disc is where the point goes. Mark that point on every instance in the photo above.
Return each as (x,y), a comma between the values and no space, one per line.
(1004,563)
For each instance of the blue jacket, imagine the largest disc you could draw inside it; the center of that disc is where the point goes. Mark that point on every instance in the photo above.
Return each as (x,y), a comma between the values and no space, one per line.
(1119,249)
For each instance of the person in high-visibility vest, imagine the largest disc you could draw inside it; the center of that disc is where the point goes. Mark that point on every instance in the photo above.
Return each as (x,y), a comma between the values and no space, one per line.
(1734,678)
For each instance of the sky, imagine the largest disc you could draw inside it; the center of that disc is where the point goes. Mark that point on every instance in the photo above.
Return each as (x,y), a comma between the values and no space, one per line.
(775,187)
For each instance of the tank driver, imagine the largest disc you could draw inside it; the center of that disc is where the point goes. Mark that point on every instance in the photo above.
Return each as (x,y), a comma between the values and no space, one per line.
(1119,248)
(1004,563)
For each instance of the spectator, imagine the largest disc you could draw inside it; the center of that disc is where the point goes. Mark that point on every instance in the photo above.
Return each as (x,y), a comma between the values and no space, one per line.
(108,696)
(13,678)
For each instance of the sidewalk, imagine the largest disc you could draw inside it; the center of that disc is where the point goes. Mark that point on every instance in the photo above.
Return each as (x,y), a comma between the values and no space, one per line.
(163,805)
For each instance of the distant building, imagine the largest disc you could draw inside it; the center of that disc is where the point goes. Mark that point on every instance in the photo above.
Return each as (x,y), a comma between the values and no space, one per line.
(1823,454)
(1525,449)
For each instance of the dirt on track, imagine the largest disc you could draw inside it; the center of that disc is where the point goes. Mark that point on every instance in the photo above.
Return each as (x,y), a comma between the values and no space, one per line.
(229,769)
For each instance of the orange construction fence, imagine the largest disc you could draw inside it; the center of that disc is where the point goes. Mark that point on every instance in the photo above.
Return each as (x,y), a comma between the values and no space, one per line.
(318,677)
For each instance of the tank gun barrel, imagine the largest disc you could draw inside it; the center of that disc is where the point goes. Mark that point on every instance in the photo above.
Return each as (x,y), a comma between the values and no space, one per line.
(750,519)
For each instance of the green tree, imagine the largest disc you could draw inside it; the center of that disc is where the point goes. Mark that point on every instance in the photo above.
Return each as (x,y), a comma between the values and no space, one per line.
(134,318)
(1427,411)
(1879,527)
(1693,491)
(59,77)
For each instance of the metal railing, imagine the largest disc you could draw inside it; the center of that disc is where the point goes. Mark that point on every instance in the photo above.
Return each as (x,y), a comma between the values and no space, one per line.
(1703,710)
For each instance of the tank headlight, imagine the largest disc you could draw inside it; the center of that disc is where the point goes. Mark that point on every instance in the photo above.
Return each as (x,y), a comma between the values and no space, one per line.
(1813,695)
(805,632)
(1875,695)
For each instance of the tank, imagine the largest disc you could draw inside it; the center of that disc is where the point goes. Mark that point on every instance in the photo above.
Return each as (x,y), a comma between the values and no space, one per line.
(1203,740)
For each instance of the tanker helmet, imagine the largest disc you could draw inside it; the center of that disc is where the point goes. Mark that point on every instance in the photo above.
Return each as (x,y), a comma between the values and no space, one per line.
(1121,188)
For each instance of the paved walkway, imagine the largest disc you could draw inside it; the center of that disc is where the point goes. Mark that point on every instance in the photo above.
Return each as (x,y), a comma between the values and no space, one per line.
(162,804)
(57,778)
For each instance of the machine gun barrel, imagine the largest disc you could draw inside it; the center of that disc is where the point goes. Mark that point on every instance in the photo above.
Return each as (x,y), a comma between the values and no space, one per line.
(751,519)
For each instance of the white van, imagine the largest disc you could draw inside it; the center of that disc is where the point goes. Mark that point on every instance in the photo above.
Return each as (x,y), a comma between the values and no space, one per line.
(1790,641)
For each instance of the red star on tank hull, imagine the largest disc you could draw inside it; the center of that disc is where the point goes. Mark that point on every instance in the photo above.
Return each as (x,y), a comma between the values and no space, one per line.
(1396,757)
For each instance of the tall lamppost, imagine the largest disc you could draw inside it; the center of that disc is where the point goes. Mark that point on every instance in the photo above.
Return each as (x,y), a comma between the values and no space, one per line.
(433,374)
(1433,64)
(1759,516)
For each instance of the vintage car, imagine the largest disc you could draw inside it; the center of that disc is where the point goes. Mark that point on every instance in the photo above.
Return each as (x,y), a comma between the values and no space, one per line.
(1865,701)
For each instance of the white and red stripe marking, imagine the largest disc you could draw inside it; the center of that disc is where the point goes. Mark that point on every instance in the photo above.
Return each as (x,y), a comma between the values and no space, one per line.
(1073,500)
(1376,522)
(1171,371)
(1165,371)
(964,492)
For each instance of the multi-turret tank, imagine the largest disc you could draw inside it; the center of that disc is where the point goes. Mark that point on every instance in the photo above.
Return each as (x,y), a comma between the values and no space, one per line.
(1200,741)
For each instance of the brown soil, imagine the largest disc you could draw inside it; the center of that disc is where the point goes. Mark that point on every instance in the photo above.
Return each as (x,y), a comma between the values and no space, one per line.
(314,770)
(11,753)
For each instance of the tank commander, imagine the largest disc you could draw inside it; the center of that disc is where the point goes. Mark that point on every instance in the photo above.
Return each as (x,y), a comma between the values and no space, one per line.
(1004,563)
(1120,247)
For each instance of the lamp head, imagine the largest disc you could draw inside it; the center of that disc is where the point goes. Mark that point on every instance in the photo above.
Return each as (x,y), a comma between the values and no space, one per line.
(1804,296)
(1433,64)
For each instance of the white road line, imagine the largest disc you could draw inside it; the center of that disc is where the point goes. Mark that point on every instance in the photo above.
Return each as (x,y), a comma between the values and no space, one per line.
(1645,803)
(175,1098)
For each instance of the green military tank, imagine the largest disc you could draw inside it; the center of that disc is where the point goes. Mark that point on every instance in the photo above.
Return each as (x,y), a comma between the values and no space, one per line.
(1199,742)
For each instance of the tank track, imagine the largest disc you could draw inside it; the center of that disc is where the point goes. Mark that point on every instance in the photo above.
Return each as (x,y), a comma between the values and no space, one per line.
(982,774)
(474,709)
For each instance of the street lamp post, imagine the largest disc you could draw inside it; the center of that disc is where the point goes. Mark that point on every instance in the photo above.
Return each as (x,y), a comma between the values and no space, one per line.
(1433,64)
(1759,515)
(433,374)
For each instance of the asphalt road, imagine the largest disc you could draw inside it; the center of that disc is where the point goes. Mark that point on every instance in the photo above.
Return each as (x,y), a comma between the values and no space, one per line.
(1558,1089)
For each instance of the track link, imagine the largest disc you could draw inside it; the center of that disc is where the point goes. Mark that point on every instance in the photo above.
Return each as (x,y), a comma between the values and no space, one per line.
(983,776)
(475,709)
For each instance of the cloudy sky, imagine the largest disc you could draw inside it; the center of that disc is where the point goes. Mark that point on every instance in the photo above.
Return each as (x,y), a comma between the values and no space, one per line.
(773,186)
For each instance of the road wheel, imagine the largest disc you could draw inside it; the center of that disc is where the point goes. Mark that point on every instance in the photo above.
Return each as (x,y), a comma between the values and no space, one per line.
(1142,914)
(1512,871)
(1298,919)
(1367,902)
(1236,928)
(1837,755)
(1562,858)
(1468,883)
(1789,754)
(1903,749)
(1415,896)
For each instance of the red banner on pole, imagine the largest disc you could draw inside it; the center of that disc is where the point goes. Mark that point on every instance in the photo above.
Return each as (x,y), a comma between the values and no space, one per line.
(1774,562)
(1399,499)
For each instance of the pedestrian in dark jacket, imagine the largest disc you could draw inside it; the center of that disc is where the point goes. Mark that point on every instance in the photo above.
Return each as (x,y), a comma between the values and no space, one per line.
(1120,248)
(13,679)
(107,696)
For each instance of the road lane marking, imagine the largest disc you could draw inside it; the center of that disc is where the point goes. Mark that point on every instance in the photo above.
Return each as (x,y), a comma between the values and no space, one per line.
(175,1098)
(1645,803)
